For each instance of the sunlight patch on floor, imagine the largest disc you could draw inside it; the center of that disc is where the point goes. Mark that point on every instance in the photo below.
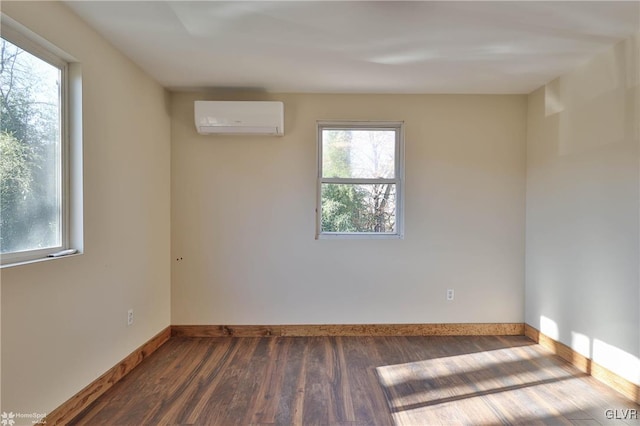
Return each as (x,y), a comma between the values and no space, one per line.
(517,385)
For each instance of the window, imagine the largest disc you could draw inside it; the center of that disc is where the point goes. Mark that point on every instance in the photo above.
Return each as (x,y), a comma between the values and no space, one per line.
(34,189)
(360,171)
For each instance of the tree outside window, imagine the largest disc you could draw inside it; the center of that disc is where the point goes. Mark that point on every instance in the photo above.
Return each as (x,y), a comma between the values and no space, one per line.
(30,151)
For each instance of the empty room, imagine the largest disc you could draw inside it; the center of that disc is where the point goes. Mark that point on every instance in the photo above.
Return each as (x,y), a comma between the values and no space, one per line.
(320,213)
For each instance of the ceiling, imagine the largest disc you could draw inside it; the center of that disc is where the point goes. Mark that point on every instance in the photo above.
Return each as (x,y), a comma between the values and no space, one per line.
(360,46)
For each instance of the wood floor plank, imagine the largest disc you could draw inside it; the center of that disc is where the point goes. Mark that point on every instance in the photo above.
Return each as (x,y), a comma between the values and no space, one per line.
(367,396)
(267,398)
(297,411)
(202,381)
(316,390)
(218,390)
(341,383)
(359,380)
(252,386)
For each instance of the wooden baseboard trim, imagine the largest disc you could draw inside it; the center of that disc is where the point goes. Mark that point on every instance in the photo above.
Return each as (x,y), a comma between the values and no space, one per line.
(584,364)
(74,405)
(503,329)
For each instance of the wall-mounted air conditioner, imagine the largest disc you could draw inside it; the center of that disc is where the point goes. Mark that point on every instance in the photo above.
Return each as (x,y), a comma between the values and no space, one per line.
(239,117)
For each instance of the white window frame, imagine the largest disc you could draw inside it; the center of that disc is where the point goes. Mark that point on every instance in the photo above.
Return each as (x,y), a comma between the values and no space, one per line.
(70,153)
(397,180)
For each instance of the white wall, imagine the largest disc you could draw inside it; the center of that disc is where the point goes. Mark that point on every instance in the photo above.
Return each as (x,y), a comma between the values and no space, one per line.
(582,251)
(243,217)
(64,321)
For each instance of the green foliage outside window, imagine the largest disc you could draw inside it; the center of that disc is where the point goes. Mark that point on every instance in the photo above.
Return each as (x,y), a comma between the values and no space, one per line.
(356,207)
(29,151)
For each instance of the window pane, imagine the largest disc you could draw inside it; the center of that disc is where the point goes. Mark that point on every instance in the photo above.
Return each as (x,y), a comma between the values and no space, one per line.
(358,208)
(30,157)
(353,153)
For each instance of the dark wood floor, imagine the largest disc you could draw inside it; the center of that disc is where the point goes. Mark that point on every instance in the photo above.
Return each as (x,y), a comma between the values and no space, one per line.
(484,380)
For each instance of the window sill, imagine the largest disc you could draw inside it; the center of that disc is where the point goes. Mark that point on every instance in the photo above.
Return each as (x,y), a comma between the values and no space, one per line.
(357,236)
(38,260)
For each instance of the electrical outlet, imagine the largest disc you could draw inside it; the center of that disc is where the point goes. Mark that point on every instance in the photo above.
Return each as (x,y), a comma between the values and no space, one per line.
(130,317)
(450,294)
